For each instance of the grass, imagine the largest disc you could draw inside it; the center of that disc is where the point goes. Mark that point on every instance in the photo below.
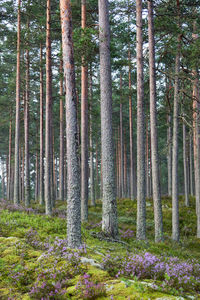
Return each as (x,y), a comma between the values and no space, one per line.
(20,258)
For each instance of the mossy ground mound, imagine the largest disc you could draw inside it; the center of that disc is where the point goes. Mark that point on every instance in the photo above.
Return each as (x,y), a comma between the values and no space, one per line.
(21,259)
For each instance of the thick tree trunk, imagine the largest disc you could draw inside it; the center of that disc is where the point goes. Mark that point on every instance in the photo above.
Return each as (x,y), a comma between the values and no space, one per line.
(17,124)
(141,203)
(84,127)
(175,201)
(125,170)
(61,160)
(109,215)
(48,169)
(185,166)
(73,168)
(36,176)
(158,219)
(41,192)
(26,131)
(22,175)
(97,171)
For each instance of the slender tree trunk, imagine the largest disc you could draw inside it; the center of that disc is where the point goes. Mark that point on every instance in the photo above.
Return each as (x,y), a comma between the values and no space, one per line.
(158,219)
(9,160)
(109,215)
(61,160)
(41,192)
(23,168)
(169,154)
(121,141)
(73,168)
(147,160)
(36,176)
(97,171)
(191,166)
(175,201)
(141,203)
(132,173)
(185,166)
(125,170)
(17,124)
(84,127)
(48,204)
(26,131)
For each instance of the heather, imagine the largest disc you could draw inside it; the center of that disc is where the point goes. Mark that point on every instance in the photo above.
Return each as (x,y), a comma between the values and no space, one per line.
(36,263)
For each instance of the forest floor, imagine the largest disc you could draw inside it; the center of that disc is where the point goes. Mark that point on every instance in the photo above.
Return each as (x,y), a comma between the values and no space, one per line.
(36,264)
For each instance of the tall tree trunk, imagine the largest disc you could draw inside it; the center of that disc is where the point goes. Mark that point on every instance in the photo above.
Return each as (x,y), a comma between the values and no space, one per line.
(36,176)
(61,160)
(175,202)
(141,203)
(121,141)
(97,171)
(17,124)
(109,215)
(73,168)
(125,170)
(185,166)
(132,173)
(48,204)
(147,160)
(41,192)
(26,131)
(158,219)
(169,154)
(191,166)
(92,193)
(22,175)
(84,127)
(9,160)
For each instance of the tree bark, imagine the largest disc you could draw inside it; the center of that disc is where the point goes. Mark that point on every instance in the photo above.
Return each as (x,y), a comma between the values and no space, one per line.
(121,141)
(133,191)
(191,166)
(48,169)
(61,160)
(41,192)
(169,154)
(73,168)
(26,131)
(92,192)
(17,124)
(175,201)
(9,160)
(185,166)
(109,215)
(84,127)
(158,219)
(141,202)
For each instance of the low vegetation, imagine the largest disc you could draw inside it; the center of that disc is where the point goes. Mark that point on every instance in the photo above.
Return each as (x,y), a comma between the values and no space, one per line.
(35,262)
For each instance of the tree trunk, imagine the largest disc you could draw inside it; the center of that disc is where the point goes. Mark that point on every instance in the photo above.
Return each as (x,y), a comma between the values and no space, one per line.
(185,166)
(73,168)
(175,201)
(48,169)
(97,171)
(61,160)
(158,219)
(26,131)
(141,203)
(121,141)
(147,160)
(132,173)
(169,154)
(36,176)
(191,166)
(22,175)
(125,170)
(91,148)
(109,215)
(84,127)
(9,160)
(17,124)
(41,192)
